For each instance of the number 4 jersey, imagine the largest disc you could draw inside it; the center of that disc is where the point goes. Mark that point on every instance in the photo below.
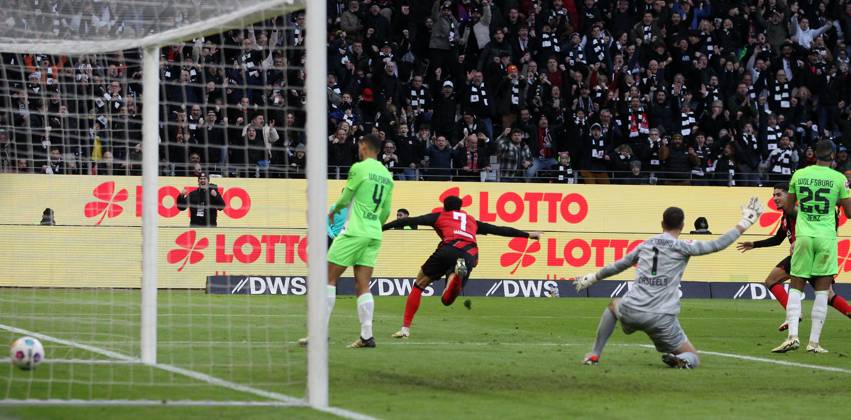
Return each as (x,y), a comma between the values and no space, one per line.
(368,194)
(818,190)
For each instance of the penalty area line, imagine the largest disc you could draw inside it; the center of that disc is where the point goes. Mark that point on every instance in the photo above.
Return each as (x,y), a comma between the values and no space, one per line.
(212,380)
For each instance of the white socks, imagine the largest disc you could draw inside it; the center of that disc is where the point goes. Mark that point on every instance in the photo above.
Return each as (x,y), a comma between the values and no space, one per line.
(819,314)
(330,299)
(690,358)
(793,311)
(365,308)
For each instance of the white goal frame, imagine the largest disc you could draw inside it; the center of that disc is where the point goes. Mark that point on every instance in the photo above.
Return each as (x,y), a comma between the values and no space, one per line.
(316,174)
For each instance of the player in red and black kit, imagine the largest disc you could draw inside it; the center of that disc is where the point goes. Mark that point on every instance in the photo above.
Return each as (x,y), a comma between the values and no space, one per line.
(455,256)
(781,273)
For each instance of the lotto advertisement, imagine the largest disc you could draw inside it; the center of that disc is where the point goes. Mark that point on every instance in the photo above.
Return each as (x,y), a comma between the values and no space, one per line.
(260,244)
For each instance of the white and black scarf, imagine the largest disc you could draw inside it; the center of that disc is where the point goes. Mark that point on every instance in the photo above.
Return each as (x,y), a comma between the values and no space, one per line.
(418,98)
(515,93)
(648,33)
(687,121)
(772,137)
(550,42)
(781,95)
(598,147)
(781,160)
(599,48)
(477,94)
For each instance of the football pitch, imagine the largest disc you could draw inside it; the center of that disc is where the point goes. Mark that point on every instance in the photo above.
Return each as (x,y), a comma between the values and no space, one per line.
(503,358)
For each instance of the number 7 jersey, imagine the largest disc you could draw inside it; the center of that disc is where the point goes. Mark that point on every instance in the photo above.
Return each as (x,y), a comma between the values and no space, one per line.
(818,190)
(370,189)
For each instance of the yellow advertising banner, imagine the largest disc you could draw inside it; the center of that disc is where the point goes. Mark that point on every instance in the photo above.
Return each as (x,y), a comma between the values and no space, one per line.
(97,240)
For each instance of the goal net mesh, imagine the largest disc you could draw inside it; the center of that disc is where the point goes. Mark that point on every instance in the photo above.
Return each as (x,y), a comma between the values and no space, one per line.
(231,108)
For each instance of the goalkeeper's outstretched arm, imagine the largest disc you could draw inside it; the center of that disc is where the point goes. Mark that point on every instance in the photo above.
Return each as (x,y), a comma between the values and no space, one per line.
(617,267)
(750,214)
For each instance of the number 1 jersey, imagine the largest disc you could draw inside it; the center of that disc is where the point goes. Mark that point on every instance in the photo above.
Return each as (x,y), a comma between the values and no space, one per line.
(818,189)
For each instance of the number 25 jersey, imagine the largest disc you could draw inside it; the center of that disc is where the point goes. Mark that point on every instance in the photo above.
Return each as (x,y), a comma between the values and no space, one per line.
(818,189)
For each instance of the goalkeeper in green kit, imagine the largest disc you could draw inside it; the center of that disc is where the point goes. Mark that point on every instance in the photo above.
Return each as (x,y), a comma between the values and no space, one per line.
(818,189)
(367,195)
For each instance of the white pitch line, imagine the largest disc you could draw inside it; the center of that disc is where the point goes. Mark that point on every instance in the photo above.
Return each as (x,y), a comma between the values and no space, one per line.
(762,360)
(87,361)
(212,380)
(160,403)
(92,349)
(776,362)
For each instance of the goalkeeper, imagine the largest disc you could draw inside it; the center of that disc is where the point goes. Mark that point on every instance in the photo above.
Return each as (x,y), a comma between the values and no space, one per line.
(653,302)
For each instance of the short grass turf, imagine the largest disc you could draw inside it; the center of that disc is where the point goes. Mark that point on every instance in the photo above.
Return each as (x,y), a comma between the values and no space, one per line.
(504,358)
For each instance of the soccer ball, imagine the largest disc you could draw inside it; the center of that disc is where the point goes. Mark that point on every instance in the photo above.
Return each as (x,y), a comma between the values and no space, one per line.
(27,353)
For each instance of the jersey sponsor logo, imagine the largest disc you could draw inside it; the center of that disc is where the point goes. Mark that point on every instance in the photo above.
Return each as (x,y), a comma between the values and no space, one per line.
(255,285)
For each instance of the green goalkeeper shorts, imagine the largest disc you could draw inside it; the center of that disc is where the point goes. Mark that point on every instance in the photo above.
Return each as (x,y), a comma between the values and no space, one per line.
(349,251)
(814,257)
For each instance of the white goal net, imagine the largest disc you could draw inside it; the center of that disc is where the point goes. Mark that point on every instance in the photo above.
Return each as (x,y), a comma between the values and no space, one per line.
(200,318)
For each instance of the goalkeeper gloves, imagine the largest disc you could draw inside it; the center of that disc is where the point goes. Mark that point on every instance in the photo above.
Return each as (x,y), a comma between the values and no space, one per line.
(583,282)
(750,213)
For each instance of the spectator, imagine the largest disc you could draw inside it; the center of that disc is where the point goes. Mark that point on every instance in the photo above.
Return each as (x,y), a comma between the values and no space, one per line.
(783,160)
(470,160)
(203,203)
(681,159)
(724,173)
(298,162)
(701,227)
(55,165)
(389,158)
(439,158)
(621,159)
(562,172)
(748,156)
(596,157)
(47,218)
(543,148)
(513,155)
(411,150)
(635,176)
(653,151)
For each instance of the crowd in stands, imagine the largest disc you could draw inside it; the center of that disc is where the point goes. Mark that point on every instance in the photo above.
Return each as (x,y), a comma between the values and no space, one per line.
(683,92)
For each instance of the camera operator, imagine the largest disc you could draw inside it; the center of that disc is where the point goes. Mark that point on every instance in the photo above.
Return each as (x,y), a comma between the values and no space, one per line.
(203,203)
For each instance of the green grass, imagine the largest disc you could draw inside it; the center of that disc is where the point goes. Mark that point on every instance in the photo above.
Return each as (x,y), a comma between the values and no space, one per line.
(505,358)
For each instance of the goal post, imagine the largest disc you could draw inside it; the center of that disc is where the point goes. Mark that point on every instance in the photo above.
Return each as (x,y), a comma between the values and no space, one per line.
(317,189)
(161,309)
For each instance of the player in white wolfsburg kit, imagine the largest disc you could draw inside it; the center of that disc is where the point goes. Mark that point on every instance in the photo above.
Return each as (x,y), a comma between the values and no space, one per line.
(653,302)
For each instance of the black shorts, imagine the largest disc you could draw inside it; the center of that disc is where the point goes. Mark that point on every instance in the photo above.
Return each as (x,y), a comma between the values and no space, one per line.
(442,262)
(786,265)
